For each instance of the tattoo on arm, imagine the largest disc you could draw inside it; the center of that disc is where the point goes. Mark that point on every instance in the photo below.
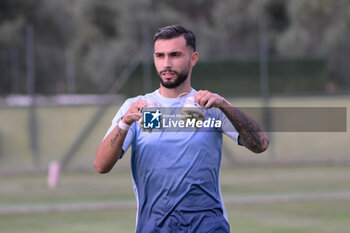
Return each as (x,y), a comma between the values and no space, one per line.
(251,134)
(114,139)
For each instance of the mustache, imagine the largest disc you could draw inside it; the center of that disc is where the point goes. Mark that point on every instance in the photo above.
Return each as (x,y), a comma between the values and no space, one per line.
(173,71)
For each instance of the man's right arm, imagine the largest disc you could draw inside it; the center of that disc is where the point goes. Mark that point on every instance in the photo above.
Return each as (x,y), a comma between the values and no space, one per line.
(110,149)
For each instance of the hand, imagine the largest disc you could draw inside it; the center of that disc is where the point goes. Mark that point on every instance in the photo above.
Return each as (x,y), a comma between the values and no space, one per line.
(134,112)
(208,100)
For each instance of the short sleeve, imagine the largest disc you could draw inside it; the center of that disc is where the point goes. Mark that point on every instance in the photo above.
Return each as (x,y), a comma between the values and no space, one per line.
(227,128)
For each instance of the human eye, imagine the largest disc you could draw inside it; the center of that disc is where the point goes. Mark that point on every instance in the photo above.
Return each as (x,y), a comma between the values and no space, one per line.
(159,55)
(175,54)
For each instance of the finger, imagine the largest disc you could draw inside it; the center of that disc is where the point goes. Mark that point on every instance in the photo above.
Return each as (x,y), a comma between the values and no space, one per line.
(201,97)
(135,117)
(137,106)
(199,94)
(215,101)
(204,99)
(131,117)
(133,114)
(140,104)
(210,103)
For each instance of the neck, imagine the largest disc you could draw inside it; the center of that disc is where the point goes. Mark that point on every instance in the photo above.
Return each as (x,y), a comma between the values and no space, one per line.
(174,92)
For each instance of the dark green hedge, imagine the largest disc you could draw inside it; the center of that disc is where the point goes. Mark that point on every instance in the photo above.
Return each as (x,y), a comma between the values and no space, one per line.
(232,78)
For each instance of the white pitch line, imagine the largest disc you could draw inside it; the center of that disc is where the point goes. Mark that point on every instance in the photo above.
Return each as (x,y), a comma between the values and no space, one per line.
(66,207)
(130,205)
(285,198)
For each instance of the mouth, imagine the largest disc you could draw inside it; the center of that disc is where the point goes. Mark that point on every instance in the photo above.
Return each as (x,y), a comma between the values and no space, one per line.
(168,74)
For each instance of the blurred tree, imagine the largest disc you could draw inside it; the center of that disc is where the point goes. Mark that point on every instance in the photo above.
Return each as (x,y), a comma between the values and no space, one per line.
(13,9)
(100,37)
(337,40)
(94,44)
(309,21)
(13,15)
(54,29)
(110,38)
(319,28)
(197,11)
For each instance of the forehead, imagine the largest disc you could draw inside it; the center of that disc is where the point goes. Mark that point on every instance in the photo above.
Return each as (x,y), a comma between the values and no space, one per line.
(170,45)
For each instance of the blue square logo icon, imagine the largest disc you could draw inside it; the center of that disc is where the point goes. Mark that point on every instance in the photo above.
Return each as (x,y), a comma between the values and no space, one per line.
(151,119)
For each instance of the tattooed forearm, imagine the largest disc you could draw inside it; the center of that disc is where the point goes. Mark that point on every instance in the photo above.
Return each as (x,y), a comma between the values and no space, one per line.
(109,150)
(251,134)
(114,139)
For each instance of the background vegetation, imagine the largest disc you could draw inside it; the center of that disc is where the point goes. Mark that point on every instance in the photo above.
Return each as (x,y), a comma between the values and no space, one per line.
(82,46)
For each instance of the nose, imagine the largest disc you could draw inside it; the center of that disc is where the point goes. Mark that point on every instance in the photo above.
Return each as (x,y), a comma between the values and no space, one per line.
(167,62)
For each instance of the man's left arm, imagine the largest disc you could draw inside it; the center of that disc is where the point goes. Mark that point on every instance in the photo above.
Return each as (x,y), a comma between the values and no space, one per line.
(251,134)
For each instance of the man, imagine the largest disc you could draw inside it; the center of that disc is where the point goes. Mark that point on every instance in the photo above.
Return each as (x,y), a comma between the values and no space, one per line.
(176,174)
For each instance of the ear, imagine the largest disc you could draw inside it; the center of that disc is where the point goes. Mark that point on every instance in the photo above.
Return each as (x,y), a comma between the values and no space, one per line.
(194,58)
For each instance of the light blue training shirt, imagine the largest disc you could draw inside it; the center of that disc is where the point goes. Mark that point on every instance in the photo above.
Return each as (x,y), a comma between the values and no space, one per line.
(176,174)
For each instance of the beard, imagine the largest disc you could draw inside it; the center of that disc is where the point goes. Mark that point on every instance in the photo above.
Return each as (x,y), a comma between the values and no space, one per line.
(180,78)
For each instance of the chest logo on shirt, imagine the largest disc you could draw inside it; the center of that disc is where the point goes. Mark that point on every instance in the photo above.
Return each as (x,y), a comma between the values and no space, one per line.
(151,119)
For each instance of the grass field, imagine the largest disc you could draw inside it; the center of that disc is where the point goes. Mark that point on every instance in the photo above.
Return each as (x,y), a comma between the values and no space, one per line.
(277,200)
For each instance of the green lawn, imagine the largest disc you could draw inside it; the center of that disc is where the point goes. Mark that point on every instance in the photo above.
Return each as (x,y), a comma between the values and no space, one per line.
(321,216)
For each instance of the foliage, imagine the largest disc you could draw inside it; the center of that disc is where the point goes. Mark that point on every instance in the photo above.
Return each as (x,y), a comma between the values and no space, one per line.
(320,28)
(98,38)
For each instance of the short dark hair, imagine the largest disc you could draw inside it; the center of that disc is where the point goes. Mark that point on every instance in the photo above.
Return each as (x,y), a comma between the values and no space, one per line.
(174,31)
